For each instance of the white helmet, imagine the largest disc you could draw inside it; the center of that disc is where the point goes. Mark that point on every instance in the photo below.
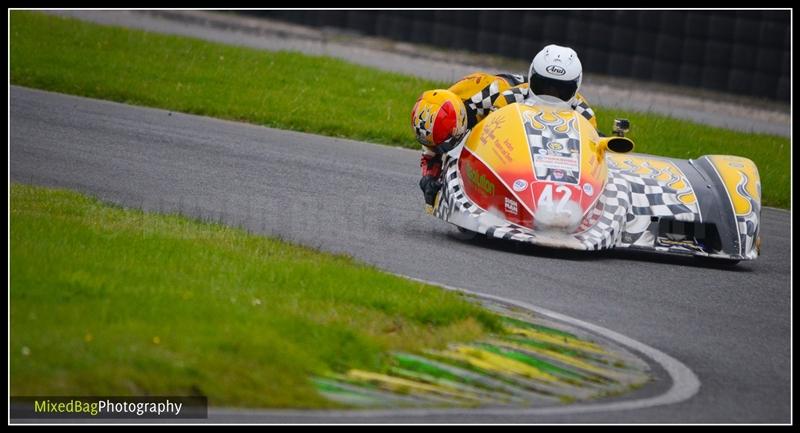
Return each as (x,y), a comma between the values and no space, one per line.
(556,71)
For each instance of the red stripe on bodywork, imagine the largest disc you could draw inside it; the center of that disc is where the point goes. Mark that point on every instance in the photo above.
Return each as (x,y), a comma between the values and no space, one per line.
(476,190)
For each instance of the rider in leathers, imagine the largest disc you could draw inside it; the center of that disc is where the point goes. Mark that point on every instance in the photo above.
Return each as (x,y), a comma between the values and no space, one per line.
(441,118)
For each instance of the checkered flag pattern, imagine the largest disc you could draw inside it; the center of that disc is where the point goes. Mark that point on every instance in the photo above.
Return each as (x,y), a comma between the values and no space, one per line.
(747,234)
(620,218)
(481,103)
(614,204)
(421,131)
(592,217)
(515,94)
(651,197)
(584,110)
(513,79)
(452,197)
(540,139)
(620,207)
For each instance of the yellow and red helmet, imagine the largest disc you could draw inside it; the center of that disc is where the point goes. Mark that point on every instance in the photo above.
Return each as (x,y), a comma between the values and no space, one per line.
(438,116)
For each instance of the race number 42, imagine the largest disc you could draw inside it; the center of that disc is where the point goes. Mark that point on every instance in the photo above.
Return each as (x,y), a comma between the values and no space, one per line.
(546,197)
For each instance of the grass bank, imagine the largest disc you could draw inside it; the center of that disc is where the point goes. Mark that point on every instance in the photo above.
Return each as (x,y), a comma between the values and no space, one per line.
(108,301)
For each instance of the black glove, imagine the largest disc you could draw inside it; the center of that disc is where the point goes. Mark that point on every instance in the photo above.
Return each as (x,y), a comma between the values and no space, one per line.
(430,185)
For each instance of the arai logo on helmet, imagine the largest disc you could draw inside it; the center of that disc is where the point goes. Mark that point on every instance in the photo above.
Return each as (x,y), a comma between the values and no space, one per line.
(555,70)
(519,185)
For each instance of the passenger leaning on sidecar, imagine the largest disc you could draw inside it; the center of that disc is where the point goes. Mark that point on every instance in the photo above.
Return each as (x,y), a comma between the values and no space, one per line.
(440,117)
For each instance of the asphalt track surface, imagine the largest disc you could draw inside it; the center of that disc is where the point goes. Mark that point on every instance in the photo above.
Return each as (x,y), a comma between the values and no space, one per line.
(731,327)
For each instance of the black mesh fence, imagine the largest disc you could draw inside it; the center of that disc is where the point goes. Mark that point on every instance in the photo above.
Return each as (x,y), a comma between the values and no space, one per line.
(742,52)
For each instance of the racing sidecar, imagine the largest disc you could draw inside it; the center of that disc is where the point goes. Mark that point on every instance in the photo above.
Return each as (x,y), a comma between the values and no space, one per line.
(540,173)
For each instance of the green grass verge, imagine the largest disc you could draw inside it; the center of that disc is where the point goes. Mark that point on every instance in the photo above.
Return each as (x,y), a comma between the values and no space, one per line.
(304,93)
(108,301)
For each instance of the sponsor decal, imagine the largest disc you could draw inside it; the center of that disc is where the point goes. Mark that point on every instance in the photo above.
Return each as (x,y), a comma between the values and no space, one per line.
(479,180)
(588,189)
(542,151)
(554,145)
(490,128)
(503,150)
(555,70)
(566,163)
(520,185)
(511,206)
